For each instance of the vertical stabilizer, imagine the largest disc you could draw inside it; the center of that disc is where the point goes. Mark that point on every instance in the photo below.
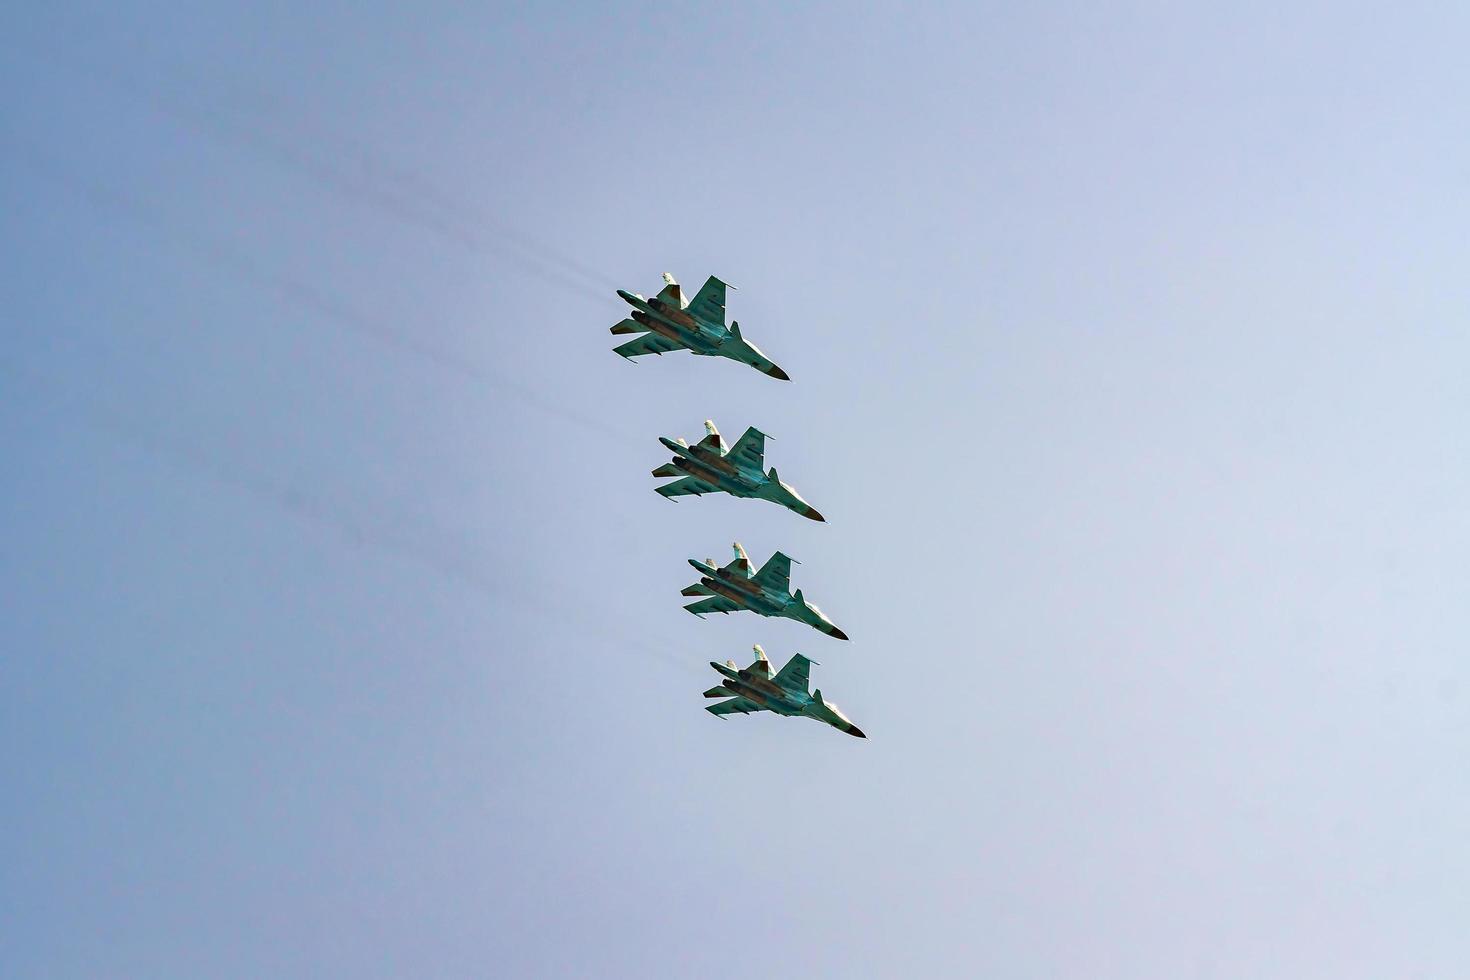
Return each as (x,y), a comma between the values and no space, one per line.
(741,561)
(671,293)
(713,440)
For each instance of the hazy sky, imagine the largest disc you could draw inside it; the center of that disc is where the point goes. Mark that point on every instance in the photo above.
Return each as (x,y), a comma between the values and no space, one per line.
(340,631)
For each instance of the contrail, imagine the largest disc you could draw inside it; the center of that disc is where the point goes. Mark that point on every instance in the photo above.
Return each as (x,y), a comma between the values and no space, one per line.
(393,536)
(381,186)
(305,295)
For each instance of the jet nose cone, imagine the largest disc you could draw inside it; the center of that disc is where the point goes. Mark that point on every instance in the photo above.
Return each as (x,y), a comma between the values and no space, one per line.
(778,374)
(816,515)
(855,730)
(836,633)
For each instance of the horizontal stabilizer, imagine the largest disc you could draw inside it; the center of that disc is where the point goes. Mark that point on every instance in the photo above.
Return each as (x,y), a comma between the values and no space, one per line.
(667,470)
(696,589)
(628,326)
(718,692)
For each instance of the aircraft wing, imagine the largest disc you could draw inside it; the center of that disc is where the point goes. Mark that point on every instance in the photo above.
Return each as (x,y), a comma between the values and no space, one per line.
(750,449)
(709,302)
(796,675)
(734,706)
(649,343)
(687,485)
(714,604)
(775,574)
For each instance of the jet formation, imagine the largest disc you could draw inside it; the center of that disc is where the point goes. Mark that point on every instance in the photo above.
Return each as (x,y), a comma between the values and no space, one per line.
(709,466)
(668,322)
(785,693)
(766,592)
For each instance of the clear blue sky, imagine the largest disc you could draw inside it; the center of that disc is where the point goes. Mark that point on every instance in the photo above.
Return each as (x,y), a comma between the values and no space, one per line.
(339,623)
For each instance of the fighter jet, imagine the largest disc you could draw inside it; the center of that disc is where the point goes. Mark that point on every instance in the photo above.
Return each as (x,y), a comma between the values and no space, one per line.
(767,592)
(669,322)
(709,466)
(785,694)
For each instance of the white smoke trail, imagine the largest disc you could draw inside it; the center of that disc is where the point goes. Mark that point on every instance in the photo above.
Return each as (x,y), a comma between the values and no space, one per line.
(304,295)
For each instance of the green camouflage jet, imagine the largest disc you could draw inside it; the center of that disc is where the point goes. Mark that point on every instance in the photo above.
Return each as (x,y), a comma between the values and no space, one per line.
(786,693)
(668,323)
(709,466)
(767,592)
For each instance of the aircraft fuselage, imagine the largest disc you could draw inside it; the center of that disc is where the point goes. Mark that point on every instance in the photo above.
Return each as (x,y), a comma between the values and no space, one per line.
(745,593)
(675,324)
(741,590)
(767,695)
(710,467)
